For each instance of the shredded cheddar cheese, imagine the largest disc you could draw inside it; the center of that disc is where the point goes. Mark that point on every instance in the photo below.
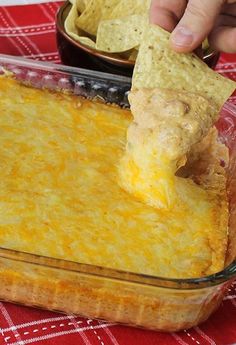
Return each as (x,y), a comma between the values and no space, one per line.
(60,193)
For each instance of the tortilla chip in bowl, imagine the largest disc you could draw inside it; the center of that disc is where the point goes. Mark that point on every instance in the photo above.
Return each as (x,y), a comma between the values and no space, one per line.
(110,41)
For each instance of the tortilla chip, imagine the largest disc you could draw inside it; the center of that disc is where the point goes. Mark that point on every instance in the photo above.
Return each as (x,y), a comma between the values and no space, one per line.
(133,55)
(175,120)
(95,11)
(205,44)
(119,35)
(81,5)
(73,31)
(127,8)
(158,66)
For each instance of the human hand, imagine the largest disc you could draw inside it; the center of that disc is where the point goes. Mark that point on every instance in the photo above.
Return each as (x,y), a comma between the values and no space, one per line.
(192,21)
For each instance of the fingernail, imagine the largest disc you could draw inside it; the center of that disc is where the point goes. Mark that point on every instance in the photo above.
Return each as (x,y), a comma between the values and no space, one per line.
(182,37)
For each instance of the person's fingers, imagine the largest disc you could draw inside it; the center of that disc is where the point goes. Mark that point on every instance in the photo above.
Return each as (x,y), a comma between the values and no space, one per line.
(229,9)
(223,35)
(196,23)
(166,13)
(226,20)
(223,39)
(198,19)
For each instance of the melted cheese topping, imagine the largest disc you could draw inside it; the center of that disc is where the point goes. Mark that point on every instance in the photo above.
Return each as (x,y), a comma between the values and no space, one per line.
(60,194)
(166,125)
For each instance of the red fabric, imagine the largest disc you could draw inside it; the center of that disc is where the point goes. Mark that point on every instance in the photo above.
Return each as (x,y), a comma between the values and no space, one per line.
(30,31)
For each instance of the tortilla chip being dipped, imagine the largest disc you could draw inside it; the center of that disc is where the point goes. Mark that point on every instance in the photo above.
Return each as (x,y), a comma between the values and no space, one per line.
(175,101)
(159,66)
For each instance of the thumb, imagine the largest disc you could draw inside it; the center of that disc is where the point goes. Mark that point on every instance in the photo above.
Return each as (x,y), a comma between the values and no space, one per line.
(195,25)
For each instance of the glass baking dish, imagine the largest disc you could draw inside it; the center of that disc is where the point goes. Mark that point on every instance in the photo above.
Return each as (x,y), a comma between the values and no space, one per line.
(96,292)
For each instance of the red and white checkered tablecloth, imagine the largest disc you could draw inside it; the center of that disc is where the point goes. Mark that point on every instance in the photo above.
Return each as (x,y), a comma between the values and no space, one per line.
(29,31)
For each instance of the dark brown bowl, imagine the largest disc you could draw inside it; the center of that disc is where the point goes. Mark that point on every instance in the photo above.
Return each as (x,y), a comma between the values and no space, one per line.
(75,54)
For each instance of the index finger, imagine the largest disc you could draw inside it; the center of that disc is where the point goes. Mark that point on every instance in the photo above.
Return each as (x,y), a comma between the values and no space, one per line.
(167,13)
(196,23)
